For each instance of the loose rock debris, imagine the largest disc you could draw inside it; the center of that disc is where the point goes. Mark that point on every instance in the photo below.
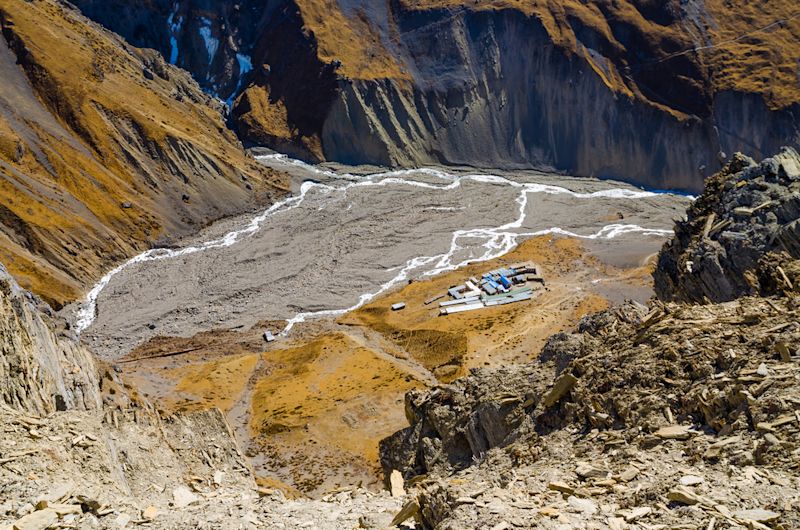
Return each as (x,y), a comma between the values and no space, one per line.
(679,414)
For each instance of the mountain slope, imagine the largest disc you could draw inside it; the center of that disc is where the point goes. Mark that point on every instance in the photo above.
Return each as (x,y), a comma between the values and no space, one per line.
(104,150)
(78,449)
(653,92)
(678,413)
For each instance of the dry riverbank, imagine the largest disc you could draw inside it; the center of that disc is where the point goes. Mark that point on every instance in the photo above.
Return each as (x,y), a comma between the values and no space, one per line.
(311,408)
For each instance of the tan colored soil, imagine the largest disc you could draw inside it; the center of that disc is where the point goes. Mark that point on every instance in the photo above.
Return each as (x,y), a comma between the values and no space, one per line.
(312,408)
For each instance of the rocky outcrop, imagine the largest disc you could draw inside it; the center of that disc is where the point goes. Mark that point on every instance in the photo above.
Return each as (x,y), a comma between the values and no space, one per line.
(40,371)
(609,414)
(737,234)
(690,388)
(212,40)
(455,424)
(261,53)
(104,151)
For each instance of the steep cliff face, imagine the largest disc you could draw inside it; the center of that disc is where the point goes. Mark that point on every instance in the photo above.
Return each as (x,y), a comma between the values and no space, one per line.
(653,92)
(213,40)
(262,53)
(40,372)
(573,111)
(104,150)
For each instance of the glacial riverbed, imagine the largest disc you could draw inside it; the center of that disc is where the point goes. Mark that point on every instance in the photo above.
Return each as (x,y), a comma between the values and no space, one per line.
(347,235)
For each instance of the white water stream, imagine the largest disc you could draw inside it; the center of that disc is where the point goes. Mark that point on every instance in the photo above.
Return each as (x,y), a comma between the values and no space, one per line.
(496,241)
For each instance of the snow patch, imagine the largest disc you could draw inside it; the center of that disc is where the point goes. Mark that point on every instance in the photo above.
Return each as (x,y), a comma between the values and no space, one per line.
(174,31)
(245,66)
(212,44)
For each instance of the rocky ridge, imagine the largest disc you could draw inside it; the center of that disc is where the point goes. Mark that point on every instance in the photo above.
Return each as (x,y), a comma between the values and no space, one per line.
(737,234)
(675,413)
(39,372)
(659,93)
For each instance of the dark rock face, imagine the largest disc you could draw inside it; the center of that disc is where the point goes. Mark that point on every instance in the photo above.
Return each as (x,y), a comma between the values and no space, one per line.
(260,51)
(746,212)
(455,424)
(289,77)
(489,88)
(226,46)
(212,40)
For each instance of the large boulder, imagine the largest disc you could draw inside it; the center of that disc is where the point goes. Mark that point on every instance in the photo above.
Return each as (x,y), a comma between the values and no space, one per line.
(737,234)
(454,424)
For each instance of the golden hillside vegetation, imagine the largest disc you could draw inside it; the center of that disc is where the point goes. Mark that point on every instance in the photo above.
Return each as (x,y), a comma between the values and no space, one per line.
(104,149)
(641,43)
(351,40)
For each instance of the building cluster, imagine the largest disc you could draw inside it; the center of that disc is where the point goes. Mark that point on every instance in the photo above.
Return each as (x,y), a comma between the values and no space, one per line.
(507,285)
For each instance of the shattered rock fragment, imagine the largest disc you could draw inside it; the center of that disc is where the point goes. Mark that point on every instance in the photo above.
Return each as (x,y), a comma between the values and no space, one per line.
(397,484)
(585,506)
(561,487)
(150,513)
(122,520)
(758,515)
(410,509)
(38,520)
(629,474)
(674,432)
(549,511)
(635,513)
(691,480)
(183,497)
(586,471)
(683,495)
(562,385)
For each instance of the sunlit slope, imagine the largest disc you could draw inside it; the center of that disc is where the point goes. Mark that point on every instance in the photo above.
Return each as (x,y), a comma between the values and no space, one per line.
(675,53)
(104,149)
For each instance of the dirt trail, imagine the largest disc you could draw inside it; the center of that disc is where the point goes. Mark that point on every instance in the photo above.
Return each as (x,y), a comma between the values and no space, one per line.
(386,350)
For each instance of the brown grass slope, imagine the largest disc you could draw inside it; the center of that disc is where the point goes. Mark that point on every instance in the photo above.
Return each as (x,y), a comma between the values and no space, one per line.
(673,54)
(104,150)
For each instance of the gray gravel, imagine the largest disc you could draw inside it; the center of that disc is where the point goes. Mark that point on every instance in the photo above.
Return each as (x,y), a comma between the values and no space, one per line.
(343,241)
